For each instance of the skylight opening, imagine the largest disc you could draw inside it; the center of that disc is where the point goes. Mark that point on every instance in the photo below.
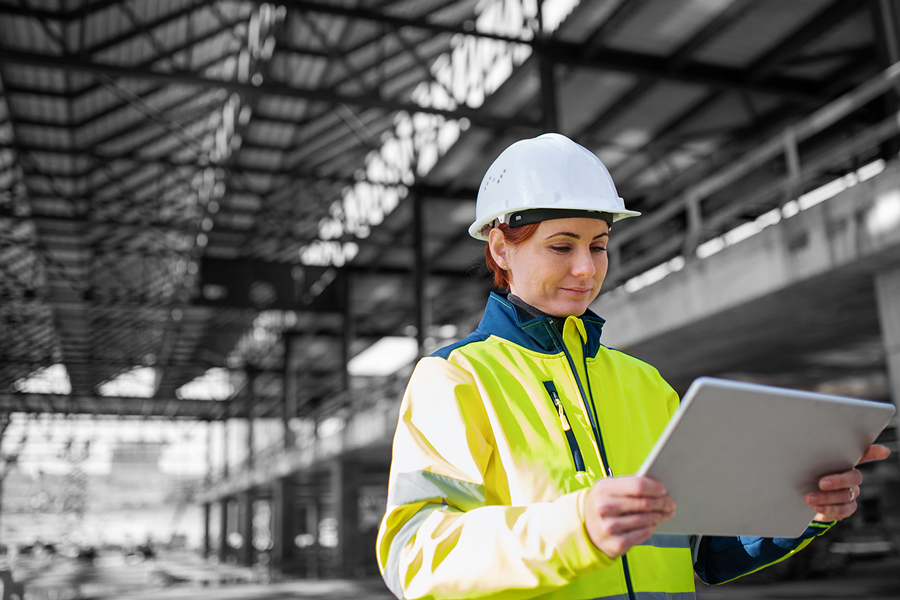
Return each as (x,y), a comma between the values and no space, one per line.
(139,382)
(49,380)
(470,72)
(215,384)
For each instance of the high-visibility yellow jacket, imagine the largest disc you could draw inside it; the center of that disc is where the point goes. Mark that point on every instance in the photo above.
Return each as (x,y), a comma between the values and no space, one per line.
(499,440)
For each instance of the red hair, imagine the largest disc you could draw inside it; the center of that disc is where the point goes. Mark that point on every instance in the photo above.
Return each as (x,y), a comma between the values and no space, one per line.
(514,236)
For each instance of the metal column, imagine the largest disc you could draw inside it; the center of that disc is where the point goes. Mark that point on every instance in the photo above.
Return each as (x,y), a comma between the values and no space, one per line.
(283,523)
(887,294)
(245,526)
(223,531)
(251,403)
(225,443)
(549,110)
(419,267)
(347,332)
(289,405)
(207,510)
(344,481)
(886,26)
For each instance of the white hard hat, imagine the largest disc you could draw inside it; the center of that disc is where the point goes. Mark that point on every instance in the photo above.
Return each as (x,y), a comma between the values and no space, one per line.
(547,172)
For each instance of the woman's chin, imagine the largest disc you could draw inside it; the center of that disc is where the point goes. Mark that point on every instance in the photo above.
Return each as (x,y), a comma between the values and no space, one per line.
(570,307)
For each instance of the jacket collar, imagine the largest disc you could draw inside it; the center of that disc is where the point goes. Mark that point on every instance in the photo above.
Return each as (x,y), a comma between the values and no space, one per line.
(503,319)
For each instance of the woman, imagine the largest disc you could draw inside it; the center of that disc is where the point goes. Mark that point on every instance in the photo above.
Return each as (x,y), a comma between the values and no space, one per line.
(511,461)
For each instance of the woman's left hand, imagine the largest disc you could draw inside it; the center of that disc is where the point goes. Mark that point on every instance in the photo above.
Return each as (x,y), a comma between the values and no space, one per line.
(837,498)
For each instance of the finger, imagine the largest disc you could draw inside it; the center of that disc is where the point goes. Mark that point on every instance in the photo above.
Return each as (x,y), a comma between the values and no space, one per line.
(618,545)
(875,452)
(611,506)
(633,538)
(835,497)
(839,481)
(632,486)
(618,526)
(835,512)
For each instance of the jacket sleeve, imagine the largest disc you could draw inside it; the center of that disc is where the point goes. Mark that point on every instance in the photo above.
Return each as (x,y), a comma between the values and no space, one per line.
(445,533)
(723,559)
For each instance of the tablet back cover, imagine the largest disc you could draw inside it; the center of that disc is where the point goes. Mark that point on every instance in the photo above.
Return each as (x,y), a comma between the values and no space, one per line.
(739,458)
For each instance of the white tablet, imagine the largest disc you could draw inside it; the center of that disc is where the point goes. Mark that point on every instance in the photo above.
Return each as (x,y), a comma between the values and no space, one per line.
(738,458)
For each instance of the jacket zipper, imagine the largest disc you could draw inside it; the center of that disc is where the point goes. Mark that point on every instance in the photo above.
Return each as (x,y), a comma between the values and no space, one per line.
(595,426)
(631,593)
(567,429)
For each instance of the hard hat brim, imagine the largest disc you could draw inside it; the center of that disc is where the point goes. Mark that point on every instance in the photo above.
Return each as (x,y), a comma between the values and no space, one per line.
(475,230)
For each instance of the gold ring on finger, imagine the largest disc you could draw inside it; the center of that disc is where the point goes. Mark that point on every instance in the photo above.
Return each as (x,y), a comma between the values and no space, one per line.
(852,494)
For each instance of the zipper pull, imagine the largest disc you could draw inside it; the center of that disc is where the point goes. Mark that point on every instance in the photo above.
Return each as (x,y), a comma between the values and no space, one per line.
(563,419)
(562,412)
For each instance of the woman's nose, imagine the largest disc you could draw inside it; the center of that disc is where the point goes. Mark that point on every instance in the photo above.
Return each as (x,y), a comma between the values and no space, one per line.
(584,265)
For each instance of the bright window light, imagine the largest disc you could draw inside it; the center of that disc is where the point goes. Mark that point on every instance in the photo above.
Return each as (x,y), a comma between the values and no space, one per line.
(884,214)
(215,384)
(49,380)
(870,170)
(385,357)
(713,246)
(136,383)
(657,273)
(827,191)
(466,75)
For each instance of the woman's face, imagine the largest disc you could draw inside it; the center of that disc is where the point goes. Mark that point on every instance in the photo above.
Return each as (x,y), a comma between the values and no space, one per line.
(559,269)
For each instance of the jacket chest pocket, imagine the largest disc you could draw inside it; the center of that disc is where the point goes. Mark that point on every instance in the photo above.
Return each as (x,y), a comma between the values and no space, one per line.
(564,424)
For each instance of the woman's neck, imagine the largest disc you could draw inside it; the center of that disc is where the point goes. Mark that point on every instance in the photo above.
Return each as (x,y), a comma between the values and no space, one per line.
(558,322)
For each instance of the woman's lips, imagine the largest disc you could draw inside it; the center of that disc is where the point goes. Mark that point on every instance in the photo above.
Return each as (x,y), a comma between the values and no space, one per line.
(578,291)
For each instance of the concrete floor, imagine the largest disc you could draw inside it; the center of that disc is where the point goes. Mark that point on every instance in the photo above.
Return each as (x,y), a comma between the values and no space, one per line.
(870,580)
(874,579)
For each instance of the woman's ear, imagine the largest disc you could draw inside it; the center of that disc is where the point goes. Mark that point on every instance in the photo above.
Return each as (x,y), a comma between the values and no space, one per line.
(499,247)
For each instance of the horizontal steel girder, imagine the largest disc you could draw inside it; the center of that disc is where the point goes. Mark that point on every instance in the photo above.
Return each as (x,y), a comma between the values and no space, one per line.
(206,410)
(573,54)
(76,64)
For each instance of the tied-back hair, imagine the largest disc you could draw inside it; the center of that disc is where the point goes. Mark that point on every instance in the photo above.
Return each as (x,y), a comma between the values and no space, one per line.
(514,236)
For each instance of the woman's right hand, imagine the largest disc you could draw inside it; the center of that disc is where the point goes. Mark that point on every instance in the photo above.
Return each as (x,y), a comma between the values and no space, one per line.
(622,512)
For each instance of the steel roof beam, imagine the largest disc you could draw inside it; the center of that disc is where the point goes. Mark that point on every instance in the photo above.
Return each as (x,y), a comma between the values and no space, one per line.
(189,44)
(557,51)
(617,18)
(680,57)
(65,16)
(132,230)
(573,54)
(293,175)
(148,27)
(822,23)
(837,12)
(71,63)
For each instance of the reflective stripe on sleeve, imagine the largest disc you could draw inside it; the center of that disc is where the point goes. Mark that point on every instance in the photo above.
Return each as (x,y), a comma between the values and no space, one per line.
(650,596)
(423,486)
(663,540)
(695,547)
(406,533)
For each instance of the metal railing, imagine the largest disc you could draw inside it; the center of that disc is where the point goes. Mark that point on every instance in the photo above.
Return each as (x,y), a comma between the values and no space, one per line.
(798,174)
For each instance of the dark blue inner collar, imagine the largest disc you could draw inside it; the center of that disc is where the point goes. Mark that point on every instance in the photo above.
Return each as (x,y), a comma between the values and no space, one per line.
(538,333)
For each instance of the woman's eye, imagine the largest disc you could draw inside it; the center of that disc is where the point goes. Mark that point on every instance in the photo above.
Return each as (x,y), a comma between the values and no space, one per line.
(560,248)
(598,249)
